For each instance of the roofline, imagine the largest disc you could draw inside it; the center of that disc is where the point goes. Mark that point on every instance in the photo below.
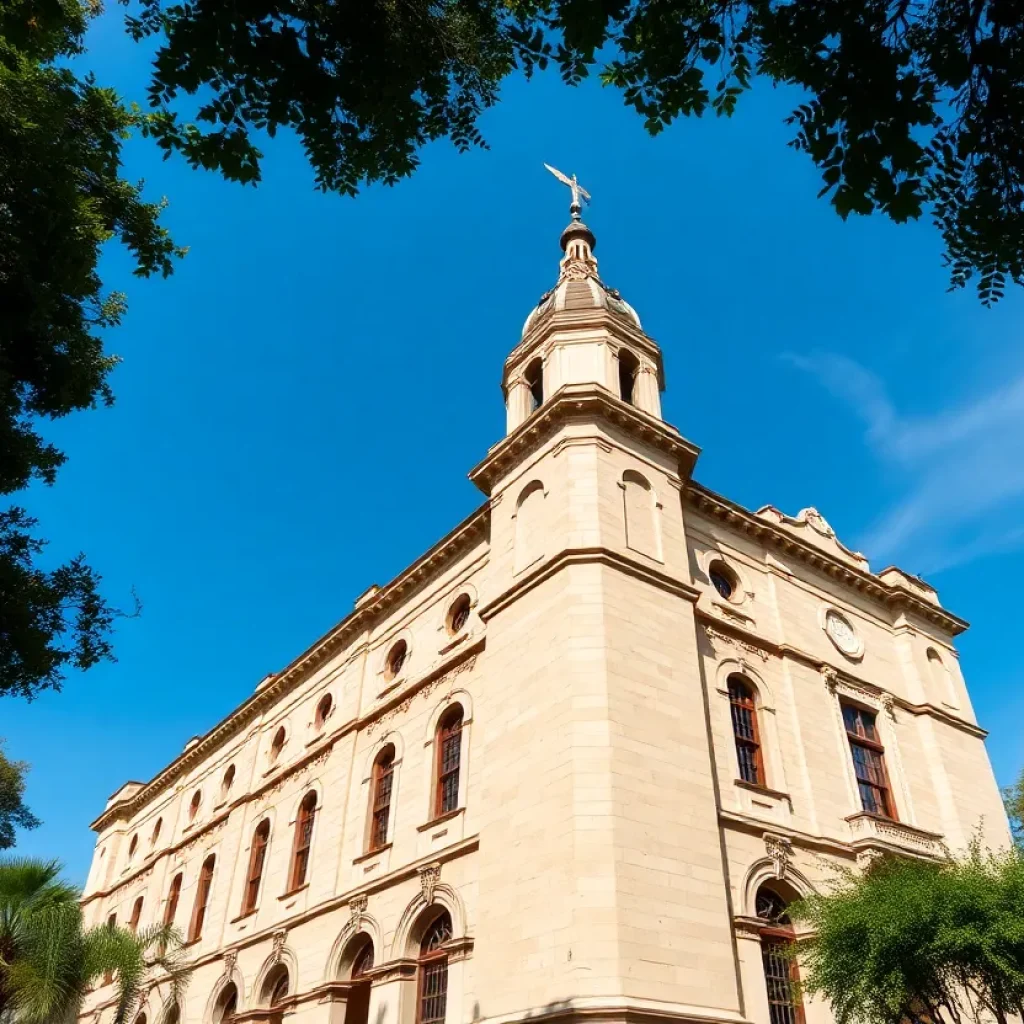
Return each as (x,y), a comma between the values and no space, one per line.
(368,611)
(721,508)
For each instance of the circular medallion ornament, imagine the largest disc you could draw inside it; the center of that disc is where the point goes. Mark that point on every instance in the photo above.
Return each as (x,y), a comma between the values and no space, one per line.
(841,632)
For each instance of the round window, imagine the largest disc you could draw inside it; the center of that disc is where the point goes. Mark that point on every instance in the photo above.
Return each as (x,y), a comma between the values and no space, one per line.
(724,580)
(458,615)
(396,659)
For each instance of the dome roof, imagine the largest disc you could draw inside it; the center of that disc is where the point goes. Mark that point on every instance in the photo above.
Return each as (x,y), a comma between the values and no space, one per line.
(579,286)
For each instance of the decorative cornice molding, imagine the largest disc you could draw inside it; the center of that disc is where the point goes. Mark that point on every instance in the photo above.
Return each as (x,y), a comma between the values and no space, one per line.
(891,596)
(367,614)
(581,402)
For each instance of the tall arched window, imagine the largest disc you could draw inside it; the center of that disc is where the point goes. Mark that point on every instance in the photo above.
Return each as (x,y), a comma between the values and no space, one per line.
(133,923)
(203,888)
(257,857)
(781,974)
(132,847)
(275,990)
(629,367)
(449,760)
(155,837)
(227,1004)
(745,732)
(383,775)
(173,895)
(193,807)
(868,761)
(433,971)
(534,377)
(357,1006)
(303,840)
(323,711)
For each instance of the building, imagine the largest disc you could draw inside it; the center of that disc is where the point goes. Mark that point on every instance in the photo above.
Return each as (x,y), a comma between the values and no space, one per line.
(573,762)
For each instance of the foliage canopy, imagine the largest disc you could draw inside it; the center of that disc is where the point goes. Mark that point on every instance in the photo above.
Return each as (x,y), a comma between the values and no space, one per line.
(61,198)
(48,958)
(908,105)
(919,940)
(13,812)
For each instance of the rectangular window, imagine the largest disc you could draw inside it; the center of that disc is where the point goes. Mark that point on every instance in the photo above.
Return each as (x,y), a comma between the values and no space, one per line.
(448,768)
(433,991)
(868,761)
(744,729)
(780,977)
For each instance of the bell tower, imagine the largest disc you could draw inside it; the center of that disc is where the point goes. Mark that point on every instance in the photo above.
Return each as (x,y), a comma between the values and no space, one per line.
(594,679)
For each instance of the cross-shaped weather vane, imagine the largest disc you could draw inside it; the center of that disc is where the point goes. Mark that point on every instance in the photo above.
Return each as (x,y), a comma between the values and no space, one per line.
(578,191)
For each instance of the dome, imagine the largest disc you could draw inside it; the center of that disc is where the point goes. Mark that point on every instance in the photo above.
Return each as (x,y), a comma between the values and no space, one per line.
(579,286)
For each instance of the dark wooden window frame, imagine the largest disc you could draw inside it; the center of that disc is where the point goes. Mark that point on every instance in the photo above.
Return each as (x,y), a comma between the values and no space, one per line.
(380,797)
(743,711)
(448,761)
(303,845)
(257,862)
(173,896)
(858,739)
(133,923)
(777,939)
(432,970)
(202,903)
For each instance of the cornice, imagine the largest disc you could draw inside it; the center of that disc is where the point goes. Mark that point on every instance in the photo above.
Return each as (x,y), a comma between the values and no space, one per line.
(581,402)
(588,556)
(368,612)
(720,508)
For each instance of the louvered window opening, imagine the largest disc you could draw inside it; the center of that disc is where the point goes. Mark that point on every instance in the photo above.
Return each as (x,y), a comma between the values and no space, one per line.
(382,803)
(448,768)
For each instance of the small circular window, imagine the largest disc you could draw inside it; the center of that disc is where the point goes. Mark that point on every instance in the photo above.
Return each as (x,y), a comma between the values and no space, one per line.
(323,710)
(396,659)
(458,615)
(724,580)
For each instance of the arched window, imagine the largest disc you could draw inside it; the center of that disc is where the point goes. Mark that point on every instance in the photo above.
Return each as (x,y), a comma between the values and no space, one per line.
(363,961)
(303,840)
(257,857)
(433,971)
(629,367)
(203,888)
(868,761)
(396,659)
(724,580)
(458,615)
(529,542)
(275,990)
(132,847)
(323,711)
(383,775)
(781,974)
(640,514)
(194,804)
(173,895)
(133,923)
(449,759)
(227,782)
(227,1004)
(357,1007)
(942,680)
(745,732)
(155,837)
(534,377)
(278,744)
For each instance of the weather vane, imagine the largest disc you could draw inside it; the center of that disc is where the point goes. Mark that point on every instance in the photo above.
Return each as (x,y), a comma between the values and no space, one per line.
(578,191)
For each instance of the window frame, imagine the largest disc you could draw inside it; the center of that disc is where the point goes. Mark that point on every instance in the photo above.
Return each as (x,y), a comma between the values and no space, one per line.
(772,936)
(431,959)
(302,847)
(204,886)
(876,749)
(173,898)
(383,769)
(741,742)
(136,917)
(257,863)
(450,728)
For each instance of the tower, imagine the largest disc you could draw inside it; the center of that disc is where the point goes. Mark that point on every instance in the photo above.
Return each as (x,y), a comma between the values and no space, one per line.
(597,763)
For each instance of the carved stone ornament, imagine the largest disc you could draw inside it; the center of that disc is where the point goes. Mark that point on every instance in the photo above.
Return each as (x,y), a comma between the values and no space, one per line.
(430,875)
(230,962)
(378,726)
(357,906)
(840,631)
(718,638)
(830,677)
(279,938)
(865,858)
(888,704)
(779,850)
(816,521)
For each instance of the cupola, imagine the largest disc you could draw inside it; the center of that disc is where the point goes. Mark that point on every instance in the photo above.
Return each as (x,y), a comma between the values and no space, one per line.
(581,332)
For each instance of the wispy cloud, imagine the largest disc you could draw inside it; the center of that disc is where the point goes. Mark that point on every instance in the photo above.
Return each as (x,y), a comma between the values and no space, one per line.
(964,468)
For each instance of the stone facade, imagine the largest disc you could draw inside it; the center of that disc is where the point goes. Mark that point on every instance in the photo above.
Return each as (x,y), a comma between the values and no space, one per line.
(598,854)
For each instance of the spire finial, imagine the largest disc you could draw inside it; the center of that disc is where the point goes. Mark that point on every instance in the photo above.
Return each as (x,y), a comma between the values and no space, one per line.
(579,194)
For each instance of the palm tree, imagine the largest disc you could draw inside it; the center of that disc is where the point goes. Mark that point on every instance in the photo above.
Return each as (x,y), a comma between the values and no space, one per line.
(48,958)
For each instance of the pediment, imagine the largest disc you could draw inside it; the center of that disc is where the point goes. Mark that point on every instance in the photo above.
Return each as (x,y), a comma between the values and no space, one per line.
(810,526)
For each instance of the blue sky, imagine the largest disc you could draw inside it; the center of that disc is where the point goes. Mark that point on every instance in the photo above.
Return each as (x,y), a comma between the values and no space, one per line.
(312,350)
